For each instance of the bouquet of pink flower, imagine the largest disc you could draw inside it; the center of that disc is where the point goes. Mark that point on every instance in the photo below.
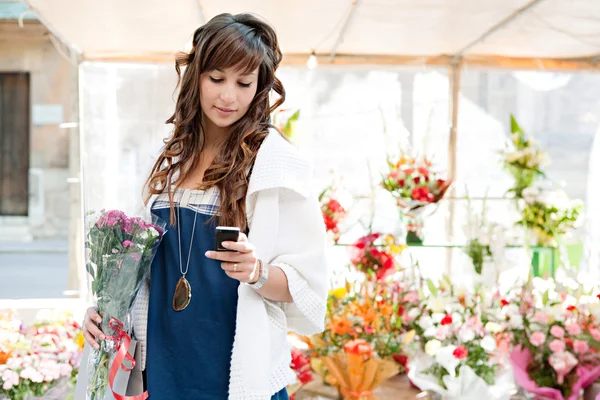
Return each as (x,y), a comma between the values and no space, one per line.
(119,250)
(557,340)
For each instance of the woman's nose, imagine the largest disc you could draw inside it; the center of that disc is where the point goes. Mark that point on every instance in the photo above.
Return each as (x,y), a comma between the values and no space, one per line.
(228,94)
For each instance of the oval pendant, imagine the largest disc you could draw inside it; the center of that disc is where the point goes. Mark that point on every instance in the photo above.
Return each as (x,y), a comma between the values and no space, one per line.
(183,294)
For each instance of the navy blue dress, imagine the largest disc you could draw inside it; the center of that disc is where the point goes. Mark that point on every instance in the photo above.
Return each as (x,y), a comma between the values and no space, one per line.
(189,351)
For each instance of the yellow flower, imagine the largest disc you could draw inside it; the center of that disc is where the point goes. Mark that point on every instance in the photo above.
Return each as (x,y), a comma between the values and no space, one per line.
(79,340)
(338,293)
(409,336)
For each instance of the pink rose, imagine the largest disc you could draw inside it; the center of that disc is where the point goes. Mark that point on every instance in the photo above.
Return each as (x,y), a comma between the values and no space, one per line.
(537,338)
(580,346)
(541,317)
(127,243)
(595,333)
(562,363)
(557,331)
(557,346)
(573,329)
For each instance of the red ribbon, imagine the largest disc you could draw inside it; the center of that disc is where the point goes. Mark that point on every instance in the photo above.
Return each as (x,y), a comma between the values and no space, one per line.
(122,341)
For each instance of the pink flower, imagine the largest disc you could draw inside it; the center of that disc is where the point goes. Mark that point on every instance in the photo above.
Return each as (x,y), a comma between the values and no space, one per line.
(541,317)
(136,256)
(537,338)
(442,333)
(127,243)
(557,331)
(557,346)
(580,346)
(574,329)
(562,363)
(595,333)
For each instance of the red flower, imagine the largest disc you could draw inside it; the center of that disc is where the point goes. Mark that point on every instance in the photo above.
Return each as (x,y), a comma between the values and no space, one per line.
(504,302)
(422,194)
(305,376)
(598,296)
(417,179)
(335,206)
(423,171)
(571,308)
(401,182)
(400,310)
(408,171)
(447,320)
(401,359)
(460,352)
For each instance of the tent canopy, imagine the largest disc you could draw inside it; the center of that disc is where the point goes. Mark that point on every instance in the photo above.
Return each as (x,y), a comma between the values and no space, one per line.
(542,33)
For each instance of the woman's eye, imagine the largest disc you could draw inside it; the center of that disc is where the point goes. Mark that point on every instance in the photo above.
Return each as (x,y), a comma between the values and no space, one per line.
(246,85)
(215,80)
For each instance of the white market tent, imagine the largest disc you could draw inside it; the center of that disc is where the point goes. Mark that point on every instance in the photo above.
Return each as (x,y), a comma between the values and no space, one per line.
(515,34)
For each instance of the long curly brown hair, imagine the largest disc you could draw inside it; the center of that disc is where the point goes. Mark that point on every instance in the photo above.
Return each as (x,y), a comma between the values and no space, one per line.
(245,43)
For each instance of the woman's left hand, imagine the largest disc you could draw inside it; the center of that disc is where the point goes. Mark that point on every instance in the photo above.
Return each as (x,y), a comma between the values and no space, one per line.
(241,263)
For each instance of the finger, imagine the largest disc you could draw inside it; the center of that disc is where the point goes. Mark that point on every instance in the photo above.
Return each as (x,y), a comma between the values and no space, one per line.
(236,267)
(226,256)
(93,315)
(93,330)
(242,247)
(90,340)
(242,237)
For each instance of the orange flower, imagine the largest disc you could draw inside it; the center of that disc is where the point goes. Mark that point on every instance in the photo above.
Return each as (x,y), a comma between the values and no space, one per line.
(340,326)
(359,347)
(365,311)
(4,357)
(386,309)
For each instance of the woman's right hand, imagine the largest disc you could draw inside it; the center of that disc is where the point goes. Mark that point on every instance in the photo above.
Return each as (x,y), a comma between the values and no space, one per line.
(91,331)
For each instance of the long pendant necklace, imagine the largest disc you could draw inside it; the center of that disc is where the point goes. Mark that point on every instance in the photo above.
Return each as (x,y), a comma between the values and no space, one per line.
(183,290)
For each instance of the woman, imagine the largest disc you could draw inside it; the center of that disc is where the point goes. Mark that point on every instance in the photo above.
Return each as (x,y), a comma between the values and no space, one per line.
(226,164)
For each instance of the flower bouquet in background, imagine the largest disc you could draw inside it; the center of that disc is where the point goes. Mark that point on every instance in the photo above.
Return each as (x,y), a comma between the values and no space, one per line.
(557,339)
(374,255)
(457,351)
(522,159)
(549,214)
(44,358)
(334,206)
(357,370)
(485,243)
(119,252)
(301,366)
(414,184)
(372,312)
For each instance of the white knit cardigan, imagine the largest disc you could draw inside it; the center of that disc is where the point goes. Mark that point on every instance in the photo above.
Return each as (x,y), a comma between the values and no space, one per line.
(286,227)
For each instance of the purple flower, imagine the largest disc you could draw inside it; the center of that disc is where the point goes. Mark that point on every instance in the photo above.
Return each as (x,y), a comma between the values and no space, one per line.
(127,243)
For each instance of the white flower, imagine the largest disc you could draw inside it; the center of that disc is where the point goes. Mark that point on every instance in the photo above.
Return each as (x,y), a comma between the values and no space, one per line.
(436,304)
(432,347)
(488,343)
(493,327)
(425,322)
(442,332)
(466,334)
(430,332)
(516,321)
(437,317)
(445,357)
(530,194)
(153,232)
(413,313)
(144,235)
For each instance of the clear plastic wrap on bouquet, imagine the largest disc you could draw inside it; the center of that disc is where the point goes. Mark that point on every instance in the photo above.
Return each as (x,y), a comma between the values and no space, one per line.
(119,252)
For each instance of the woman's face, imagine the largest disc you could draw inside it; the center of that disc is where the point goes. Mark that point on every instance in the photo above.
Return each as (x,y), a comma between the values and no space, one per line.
(225,95)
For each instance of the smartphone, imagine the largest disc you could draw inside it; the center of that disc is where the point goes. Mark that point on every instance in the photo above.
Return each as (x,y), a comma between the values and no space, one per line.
(225,234)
